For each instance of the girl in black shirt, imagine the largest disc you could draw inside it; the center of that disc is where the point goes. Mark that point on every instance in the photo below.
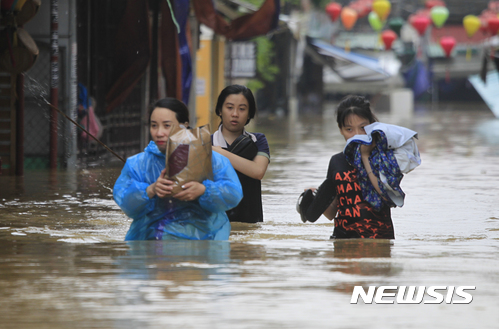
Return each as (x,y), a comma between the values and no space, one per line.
(340,197)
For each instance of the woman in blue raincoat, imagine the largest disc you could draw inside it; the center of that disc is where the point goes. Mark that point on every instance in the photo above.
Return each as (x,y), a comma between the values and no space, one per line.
(142,192)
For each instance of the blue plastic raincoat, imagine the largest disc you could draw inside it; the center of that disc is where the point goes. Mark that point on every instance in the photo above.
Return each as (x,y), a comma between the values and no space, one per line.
(169,218)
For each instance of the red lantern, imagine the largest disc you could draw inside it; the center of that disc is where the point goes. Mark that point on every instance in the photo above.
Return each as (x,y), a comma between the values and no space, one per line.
(433,3)
(494,6)
(493,25)
(447,44)
(333,9)
(388,37)
(420,23)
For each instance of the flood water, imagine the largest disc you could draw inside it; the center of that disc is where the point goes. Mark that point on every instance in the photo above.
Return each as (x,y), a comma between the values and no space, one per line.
(63,262)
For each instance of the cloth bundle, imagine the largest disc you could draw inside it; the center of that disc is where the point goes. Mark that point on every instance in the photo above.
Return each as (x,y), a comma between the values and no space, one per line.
(395,154)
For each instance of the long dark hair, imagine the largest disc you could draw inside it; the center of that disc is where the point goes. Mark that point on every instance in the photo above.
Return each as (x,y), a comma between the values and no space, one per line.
(173,104)
(237,89)
(353,104)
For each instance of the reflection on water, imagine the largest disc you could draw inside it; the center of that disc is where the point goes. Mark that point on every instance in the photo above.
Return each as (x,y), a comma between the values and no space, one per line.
(63,262)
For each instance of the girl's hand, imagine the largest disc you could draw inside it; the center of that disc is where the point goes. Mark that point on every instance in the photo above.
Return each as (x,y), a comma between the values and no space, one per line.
(162,187)
(191,192)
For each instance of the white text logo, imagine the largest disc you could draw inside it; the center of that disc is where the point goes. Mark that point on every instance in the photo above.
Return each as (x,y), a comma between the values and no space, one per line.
(413,295)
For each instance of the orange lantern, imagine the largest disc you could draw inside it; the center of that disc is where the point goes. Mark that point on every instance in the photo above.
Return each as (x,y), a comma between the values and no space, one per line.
(348,17)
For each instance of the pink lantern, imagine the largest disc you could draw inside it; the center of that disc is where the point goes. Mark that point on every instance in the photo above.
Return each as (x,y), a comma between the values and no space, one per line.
(388,37)
(493,25)
(420,23)
(447,44)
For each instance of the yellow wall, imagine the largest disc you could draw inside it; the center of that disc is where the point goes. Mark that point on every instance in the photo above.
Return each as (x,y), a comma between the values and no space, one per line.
(218,76)
(203,82)
(210,79)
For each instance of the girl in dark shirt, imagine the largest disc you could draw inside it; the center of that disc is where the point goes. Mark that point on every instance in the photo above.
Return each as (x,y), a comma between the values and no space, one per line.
(248,153)
(340,197)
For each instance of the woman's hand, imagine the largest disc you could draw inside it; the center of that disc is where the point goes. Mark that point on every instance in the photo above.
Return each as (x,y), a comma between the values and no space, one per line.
(218,149)
(162,187)
(192,191)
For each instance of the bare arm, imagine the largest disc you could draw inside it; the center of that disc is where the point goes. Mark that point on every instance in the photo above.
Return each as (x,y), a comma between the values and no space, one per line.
(331,211)
(365,151)
(255,168)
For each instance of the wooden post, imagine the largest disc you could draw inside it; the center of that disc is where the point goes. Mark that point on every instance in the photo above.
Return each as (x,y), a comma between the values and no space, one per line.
(54,79)
(20,125)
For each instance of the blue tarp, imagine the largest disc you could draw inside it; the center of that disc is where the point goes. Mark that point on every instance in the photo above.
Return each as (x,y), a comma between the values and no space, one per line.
(359,59)
(417,77)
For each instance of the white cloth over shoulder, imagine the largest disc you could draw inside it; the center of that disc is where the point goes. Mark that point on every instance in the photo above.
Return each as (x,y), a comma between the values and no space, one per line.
(219,140)
(402,140)
(403,143)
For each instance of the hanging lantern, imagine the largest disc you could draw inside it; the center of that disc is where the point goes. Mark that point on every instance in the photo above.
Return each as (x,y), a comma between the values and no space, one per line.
(434,3)
(375,21)
(362,7)
(420,23)
(382,8)
(388,37)
(439,15)
(333,10)
(447,44)
(494,6)
(348,17)
(471,24)
(493,25)
(395,24)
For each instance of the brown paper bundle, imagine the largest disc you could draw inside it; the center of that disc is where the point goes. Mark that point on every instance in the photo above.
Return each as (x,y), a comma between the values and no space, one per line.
(188,155)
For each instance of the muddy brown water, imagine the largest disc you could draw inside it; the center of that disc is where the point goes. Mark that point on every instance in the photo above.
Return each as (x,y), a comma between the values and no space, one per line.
(63,262)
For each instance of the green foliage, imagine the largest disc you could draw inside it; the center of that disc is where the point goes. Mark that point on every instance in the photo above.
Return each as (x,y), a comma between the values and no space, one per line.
(254,85)
(256,3)
(265,54)
(266,71)
(320,4)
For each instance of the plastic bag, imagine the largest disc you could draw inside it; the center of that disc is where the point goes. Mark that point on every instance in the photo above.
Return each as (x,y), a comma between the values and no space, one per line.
(188,155)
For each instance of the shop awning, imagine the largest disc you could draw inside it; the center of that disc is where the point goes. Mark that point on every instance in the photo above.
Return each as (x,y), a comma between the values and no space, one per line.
(489,91)
(354,66)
